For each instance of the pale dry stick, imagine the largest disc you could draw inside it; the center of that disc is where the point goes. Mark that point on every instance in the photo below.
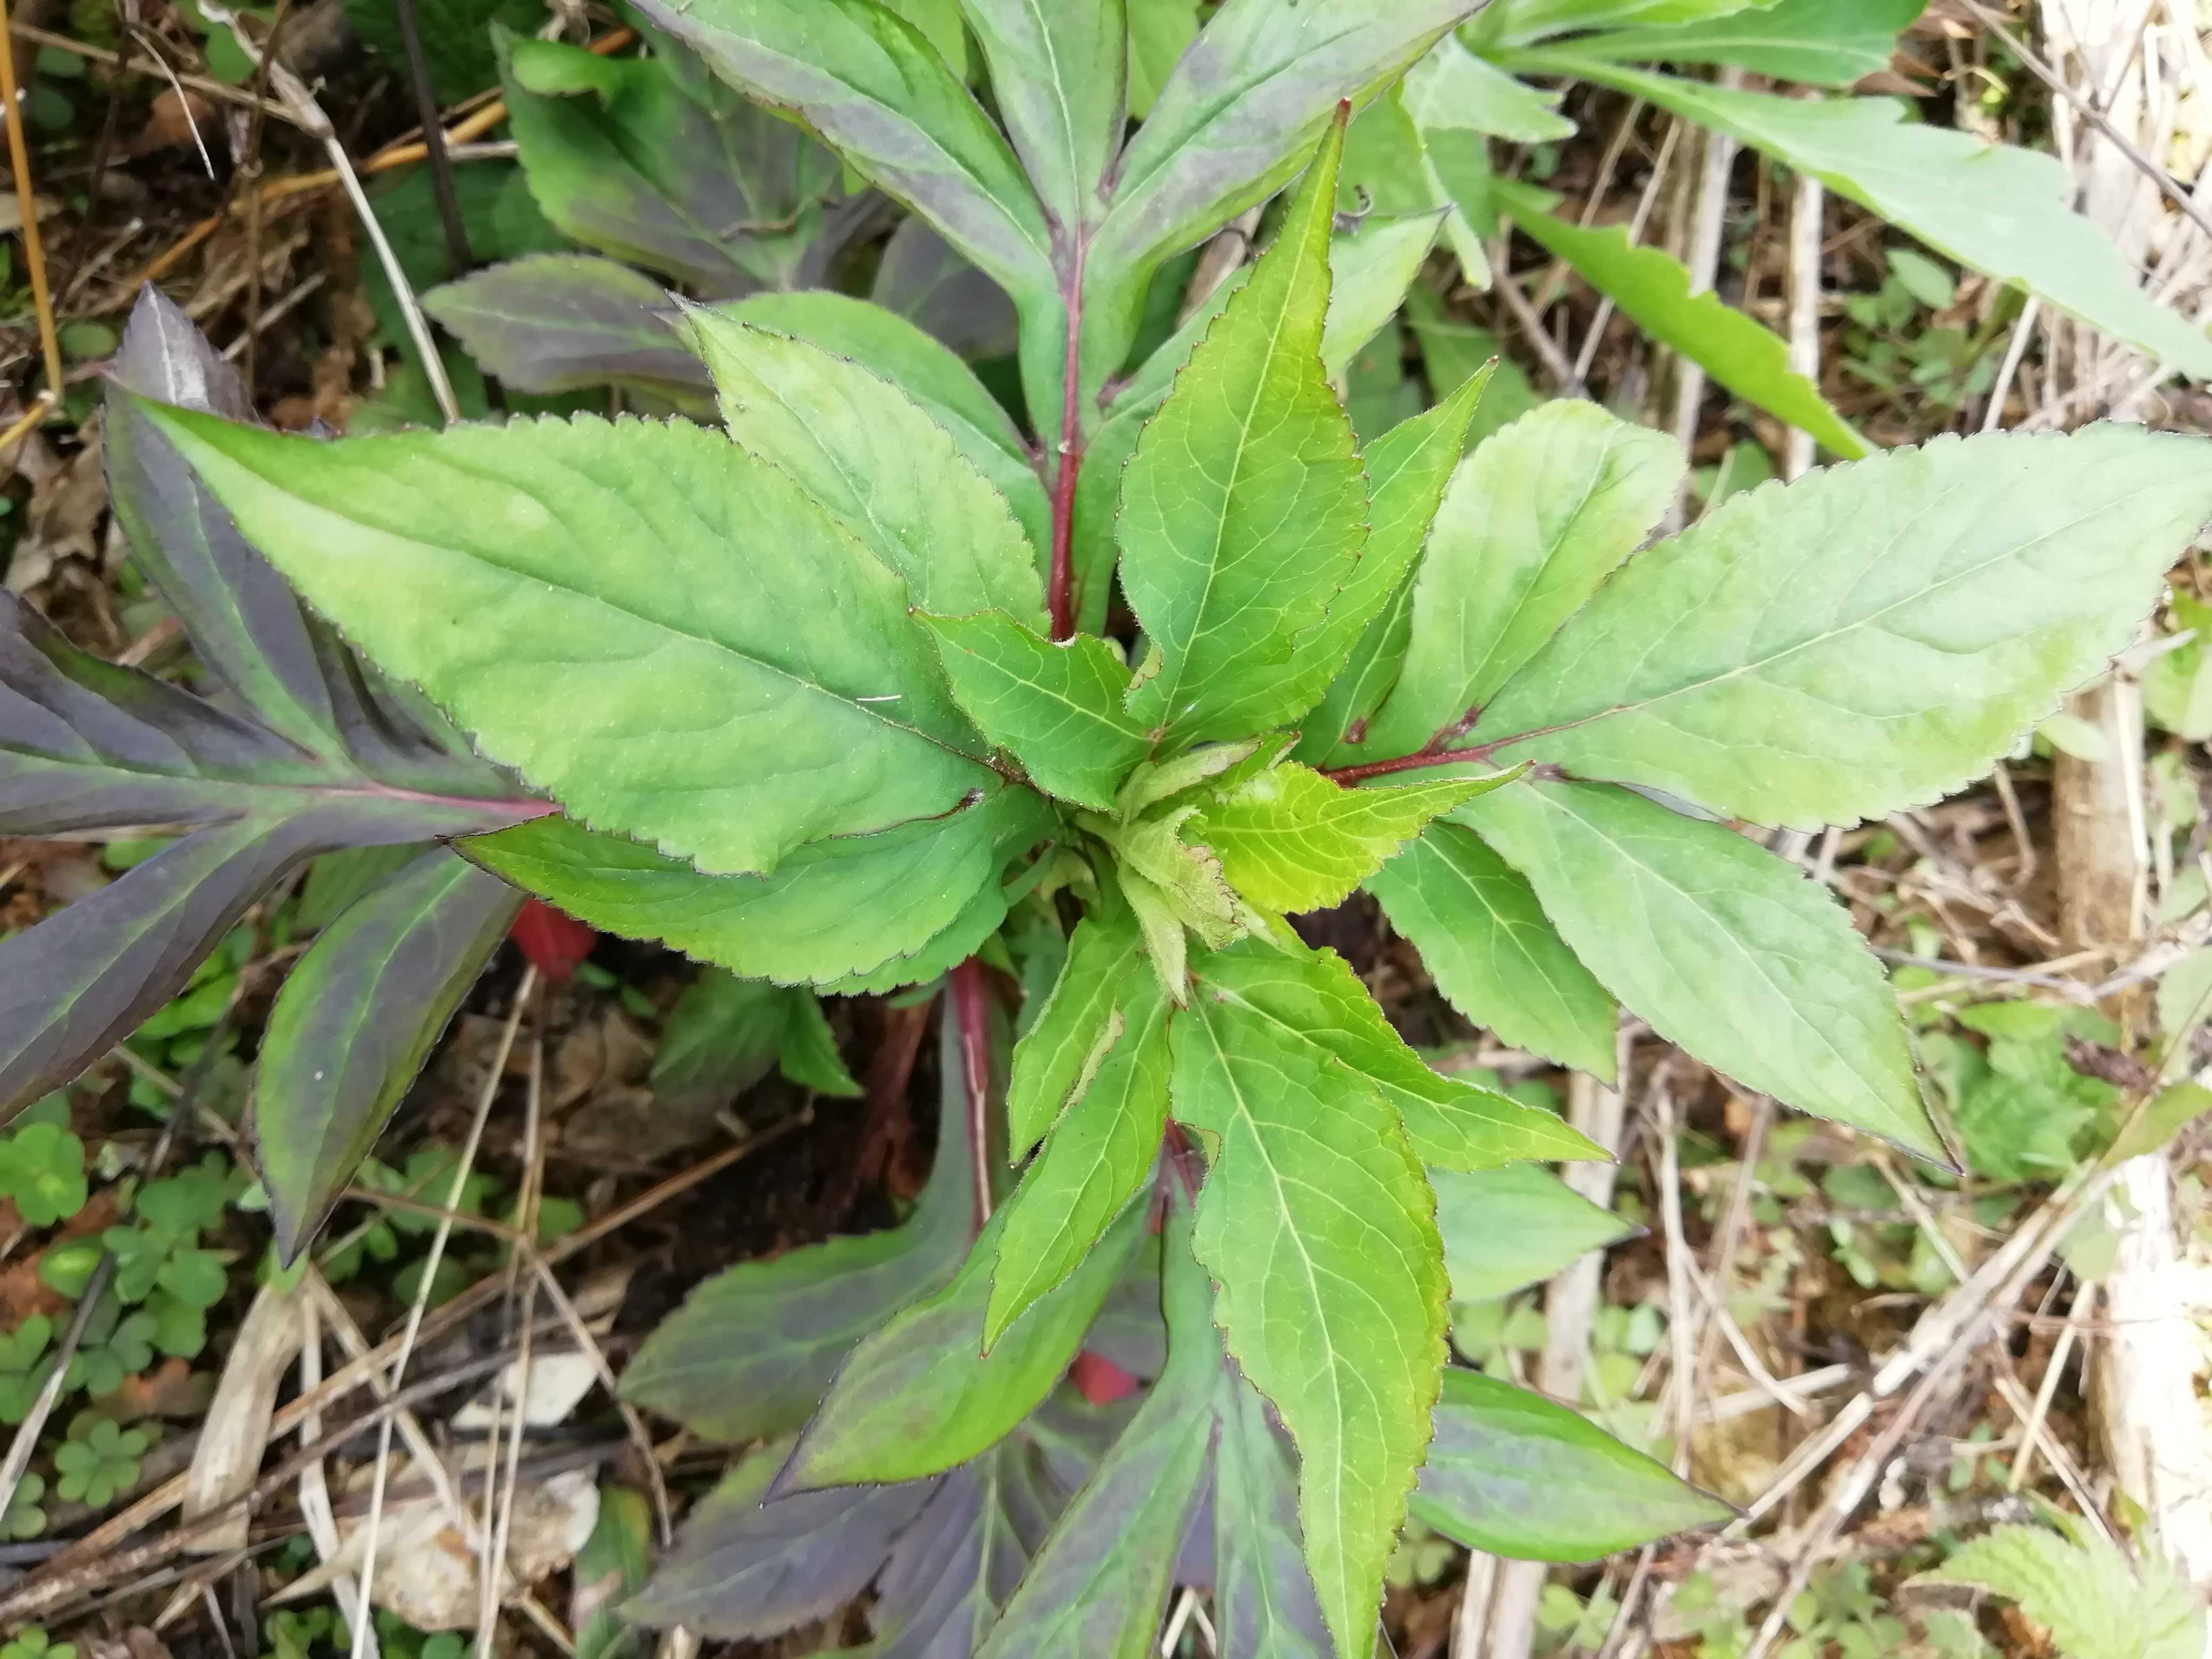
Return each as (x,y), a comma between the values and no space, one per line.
(1948,1327)
(2173,188)
(307,115)
(314,1485)
(1503,1624)
(421,1298)
(1508,291)
(1185,1604)
(1708,224)
(2085,1303)
(495,1563)
(1682,1331)
(191,123)
(1721,1325)
(1733,1222)
(34,252)
(1804,1386)
(2015,1397)
(1637,223)
(105,1540)
(2015,350)
(275,314)
(1554,280)
(1808,210)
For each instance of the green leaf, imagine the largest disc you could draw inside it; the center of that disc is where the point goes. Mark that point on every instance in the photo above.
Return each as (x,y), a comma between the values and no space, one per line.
(721,1036)
(1453,89)
(1059,75)
(921,1396)
(694,714)
(1513,1474)
(2168,1112)
(1264,1602)
(1312,999)
(1061,1052)
(751,1350)
(807,1051)
(1535,520)
(872,85)
(1234,124)
(1096,1158)
(2094,1603)
(1318,1226)
(1244,508)
(1485,941)
(1408,469)
(1453,348)
(2000,209)
(1056,707)
(355,1022)
(1517,22)
(1292,840)
(834,908)
(1506,1229)
(629,156)
(1652,289)
(942,25)
(1721,947)
(611,1567)
(1159,30)
(1870,638)
(1373,267)
(1099,1586)
(887,346)
(875,461)
(456,38)
(1822,43)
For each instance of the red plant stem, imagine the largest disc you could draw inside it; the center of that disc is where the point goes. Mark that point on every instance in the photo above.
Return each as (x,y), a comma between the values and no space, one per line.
(1061,596)
(971,1007)
(1481,753)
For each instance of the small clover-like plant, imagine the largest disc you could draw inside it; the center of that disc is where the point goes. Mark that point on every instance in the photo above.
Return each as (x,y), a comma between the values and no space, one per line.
(42,1170)
(837,696)
(22,1366)
(32,1642)
(103,1461)
(24,1518)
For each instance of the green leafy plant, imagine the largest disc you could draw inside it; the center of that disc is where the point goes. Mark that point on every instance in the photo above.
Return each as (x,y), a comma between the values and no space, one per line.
(840,697)
(34,1644)
(2096,1602)
(42,1170)
(100,1462)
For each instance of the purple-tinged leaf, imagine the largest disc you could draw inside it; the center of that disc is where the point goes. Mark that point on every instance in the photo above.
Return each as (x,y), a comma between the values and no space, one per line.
(632,157)
(952,1571)
(1060,75)
(86,744)
(1099,1584)
(243,620)
(745,1567)
(75,986)
(874,87)
(924,279)
(355,1022)
(560,322)
(1512,1473)
(750,1352)
(1263,1596)
(1236,121)
(920,1396)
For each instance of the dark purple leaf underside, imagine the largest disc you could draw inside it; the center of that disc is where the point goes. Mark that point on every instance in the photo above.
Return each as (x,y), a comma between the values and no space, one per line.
(745,1569)
(355,1022)
(88,744)
(1264,1600)
(559,322)
(925,280)
(1100,1584)
(752,1350)
(73,987)
(243,620)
